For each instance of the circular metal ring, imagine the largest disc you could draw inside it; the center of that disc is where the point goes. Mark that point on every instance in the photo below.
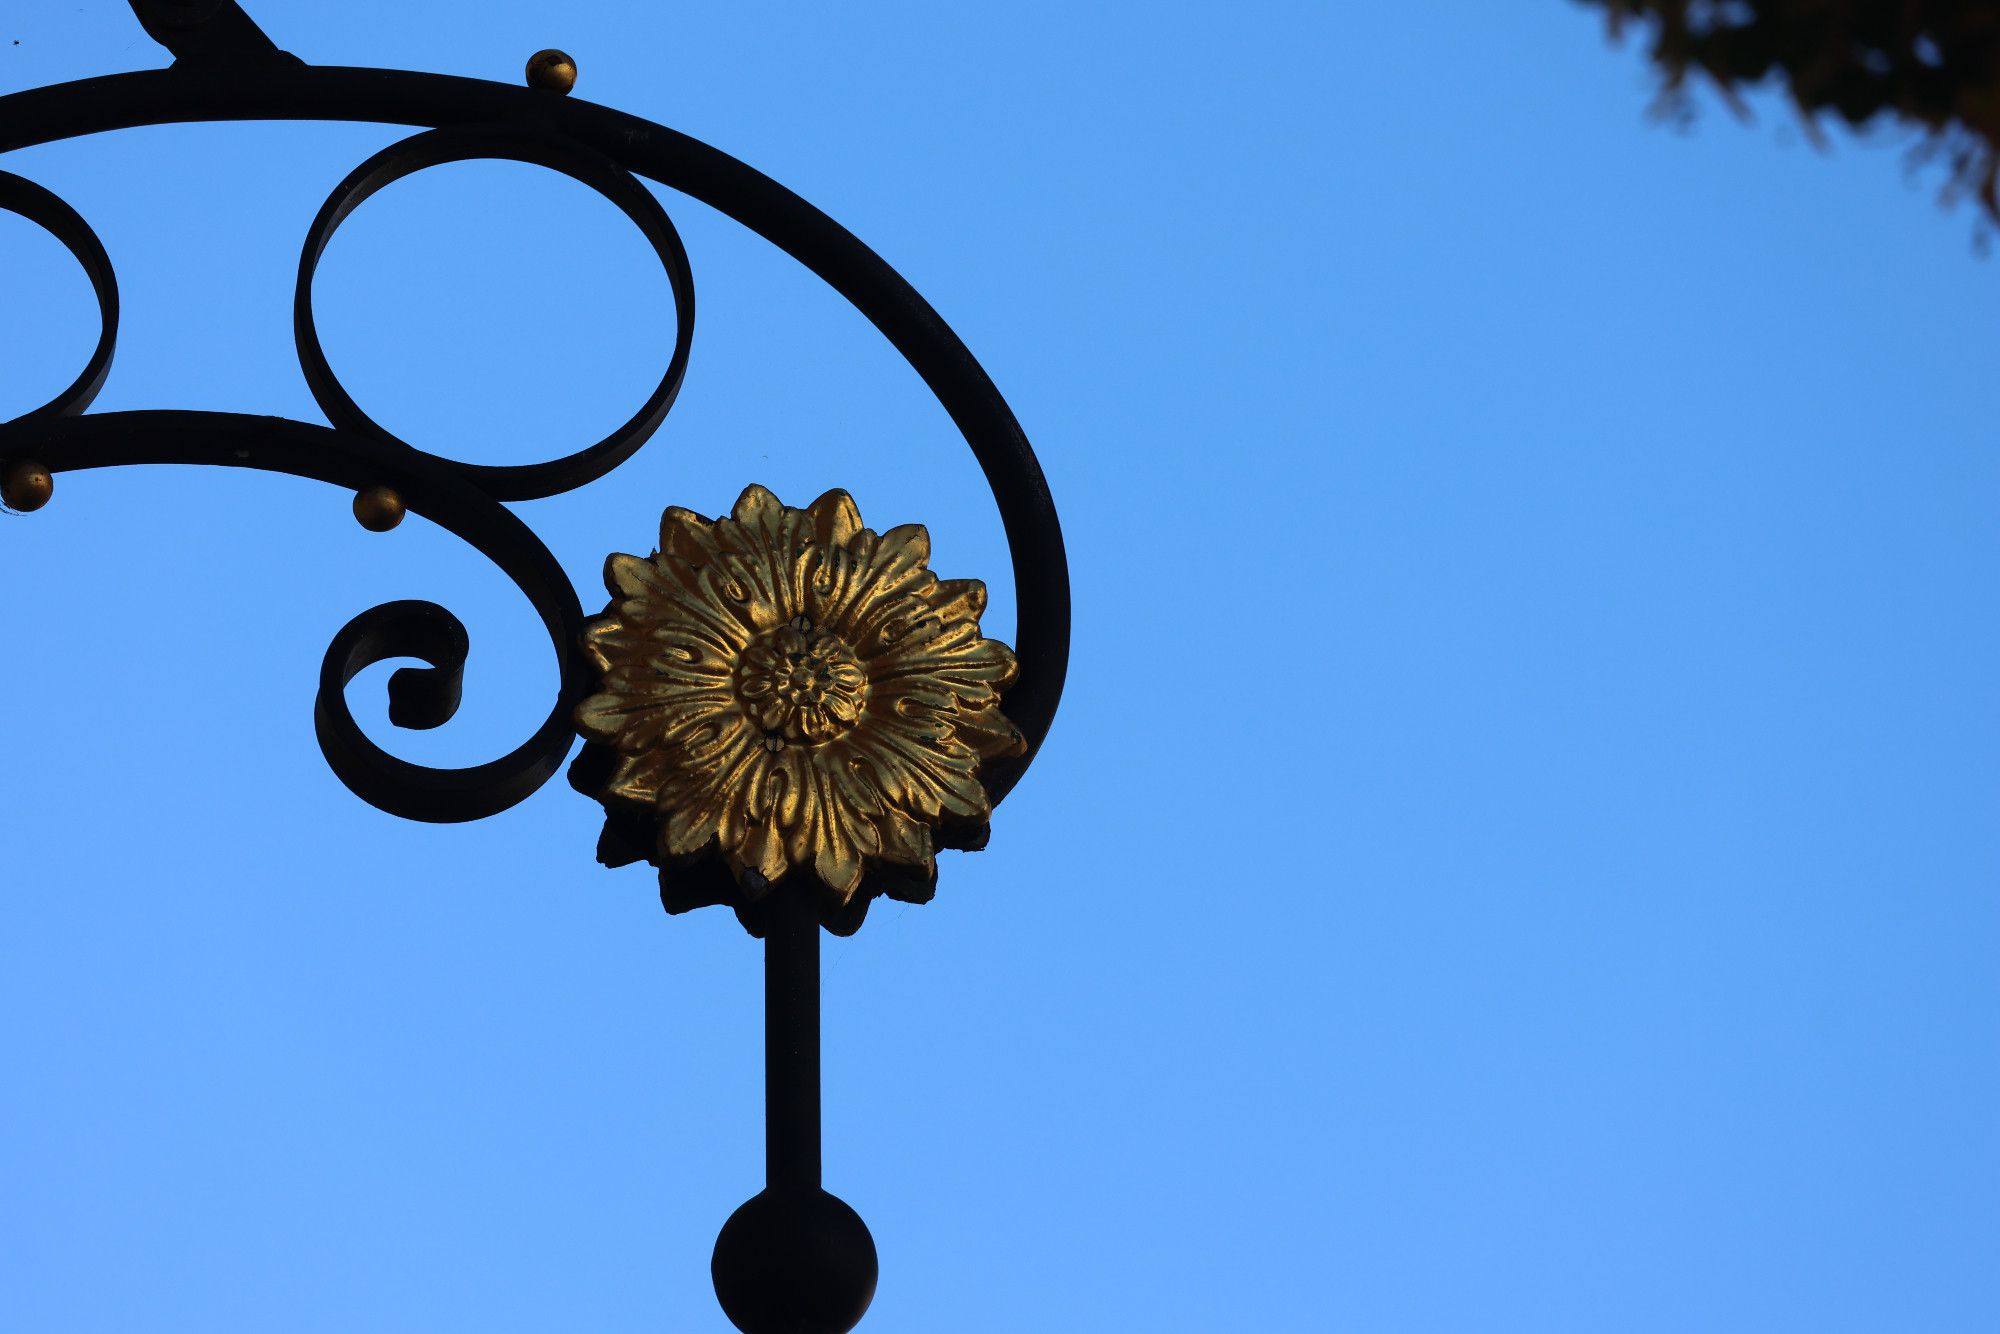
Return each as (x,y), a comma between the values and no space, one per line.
(470,143)
(48,211)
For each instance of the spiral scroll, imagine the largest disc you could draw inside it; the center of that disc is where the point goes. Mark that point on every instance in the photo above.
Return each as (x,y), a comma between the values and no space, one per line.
(419,697)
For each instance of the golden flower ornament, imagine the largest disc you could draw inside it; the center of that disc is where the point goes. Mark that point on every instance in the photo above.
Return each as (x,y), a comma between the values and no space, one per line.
(785,692)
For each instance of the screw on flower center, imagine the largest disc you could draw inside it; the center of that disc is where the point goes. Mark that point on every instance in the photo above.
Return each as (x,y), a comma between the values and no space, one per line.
(800,683)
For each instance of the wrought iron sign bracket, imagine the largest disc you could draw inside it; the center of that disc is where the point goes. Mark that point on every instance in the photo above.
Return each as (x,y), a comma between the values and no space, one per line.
(783,711)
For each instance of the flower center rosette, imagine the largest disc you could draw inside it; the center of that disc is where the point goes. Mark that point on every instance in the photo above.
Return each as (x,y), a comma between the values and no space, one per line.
(786,693)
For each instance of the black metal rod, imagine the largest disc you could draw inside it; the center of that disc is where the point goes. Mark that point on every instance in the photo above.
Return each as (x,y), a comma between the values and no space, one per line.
(791,1041)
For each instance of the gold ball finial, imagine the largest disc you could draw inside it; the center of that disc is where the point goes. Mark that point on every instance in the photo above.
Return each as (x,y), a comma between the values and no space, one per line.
(379,508)
(552,69)
(26,486)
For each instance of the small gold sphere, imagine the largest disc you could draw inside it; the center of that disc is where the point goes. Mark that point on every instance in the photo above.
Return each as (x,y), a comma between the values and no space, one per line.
(378,508)
(553,70)
(26,486)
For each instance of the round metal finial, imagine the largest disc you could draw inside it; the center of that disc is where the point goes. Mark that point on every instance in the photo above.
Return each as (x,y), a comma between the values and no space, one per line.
(794,1262)
(552,69)
(378,508)
(26,486)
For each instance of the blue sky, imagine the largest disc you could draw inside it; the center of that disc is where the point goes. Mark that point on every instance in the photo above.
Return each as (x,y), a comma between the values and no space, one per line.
(1518,852)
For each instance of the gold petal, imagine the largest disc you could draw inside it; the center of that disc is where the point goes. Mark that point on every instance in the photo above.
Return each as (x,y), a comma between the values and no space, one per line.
(840,866)
(697,730)
(734,828)
(764,850)
(687,535)
(711,810)
(602,717)
(679,573)
(631,577)
(904,840)
(792,565)
(835,856)
(689,828)
(859,784)
(989,734)
(713,737)
(637,778)
(887,570)
(925,777)
(894,624)
(861,831)
(768,572)
(835,518)
(977,669)
(686,701)
(827,582)
(777,792)
(734,587)
(906,545)
(608,638)
(685,655)
(698,614)
(916,692)
(912,782)
(958,600)
(968,796)
(800,833)
(757,509)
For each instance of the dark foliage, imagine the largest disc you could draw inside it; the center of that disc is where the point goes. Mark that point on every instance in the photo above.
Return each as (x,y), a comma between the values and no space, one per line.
(1928,65)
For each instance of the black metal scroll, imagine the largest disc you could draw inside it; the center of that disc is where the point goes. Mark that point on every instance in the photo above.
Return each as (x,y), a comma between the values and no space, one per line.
(286,91)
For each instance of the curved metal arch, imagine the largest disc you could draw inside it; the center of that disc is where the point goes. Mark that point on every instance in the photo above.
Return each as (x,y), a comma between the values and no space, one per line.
(279,88)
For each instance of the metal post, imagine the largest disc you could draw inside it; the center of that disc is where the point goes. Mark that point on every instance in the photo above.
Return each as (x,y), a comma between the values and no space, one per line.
(791,1042)
(793,1259)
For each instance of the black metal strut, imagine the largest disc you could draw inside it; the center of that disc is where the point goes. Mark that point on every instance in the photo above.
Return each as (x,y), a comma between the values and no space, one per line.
(791,1044)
